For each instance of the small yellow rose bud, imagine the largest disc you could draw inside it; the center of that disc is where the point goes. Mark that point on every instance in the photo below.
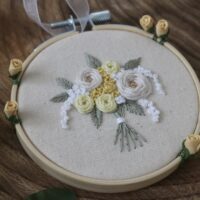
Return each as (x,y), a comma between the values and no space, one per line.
(192,143)
(162,27)
(10,109)
(146,22)
(15,67)
(110,67)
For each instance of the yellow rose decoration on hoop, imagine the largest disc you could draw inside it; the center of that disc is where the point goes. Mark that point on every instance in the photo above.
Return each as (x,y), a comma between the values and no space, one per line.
(147,23)
(160,31)
(191,145)
(15,69)
(162,27)
(10,111)
(84,104)
(106,103)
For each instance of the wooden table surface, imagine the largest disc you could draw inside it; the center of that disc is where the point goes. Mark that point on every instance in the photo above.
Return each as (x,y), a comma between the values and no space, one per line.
(19,175)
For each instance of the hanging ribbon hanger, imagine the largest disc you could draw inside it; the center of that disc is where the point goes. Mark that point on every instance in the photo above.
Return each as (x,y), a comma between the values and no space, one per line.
(79,7)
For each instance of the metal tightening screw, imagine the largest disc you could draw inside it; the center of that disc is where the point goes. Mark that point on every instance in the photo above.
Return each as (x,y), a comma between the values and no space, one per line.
(96,17)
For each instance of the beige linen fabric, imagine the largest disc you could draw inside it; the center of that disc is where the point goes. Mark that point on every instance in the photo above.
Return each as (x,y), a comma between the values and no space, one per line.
(90,152)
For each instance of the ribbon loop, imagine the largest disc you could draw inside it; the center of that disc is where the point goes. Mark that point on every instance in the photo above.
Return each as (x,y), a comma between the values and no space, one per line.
(79,7)
(82,11)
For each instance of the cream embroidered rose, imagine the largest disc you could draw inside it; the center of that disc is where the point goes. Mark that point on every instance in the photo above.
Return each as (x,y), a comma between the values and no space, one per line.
(111,67)
(84,104)
(192,143)
(162,27)
(10,108)
(106,103)
(90,78)
(15,67)
(134,86)
(146,22)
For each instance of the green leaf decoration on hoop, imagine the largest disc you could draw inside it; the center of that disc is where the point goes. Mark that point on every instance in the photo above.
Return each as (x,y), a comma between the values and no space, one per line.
(14,119)
(131,64)
(60,97)
(161,40)
(64,83)
(15,79)
(185,154)
(97,117)
(92,61)
(134,107)
(53,194)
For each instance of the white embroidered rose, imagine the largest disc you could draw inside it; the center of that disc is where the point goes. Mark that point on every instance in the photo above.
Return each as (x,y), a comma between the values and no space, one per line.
(134,86)
(192,143)
(90,78)
(10,108)
(106,103)
(84,104)
(111,67)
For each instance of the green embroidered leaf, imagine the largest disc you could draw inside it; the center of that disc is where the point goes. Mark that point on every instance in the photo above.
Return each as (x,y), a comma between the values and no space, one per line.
(121,110)
(60,97)
(53,194)
(132,63)
(134,107)
(92,61)
(97,117)
(64,83)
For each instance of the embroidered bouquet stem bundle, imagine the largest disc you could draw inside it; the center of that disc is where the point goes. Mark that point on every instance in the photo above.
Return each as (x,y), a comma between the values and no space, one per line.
(111,88)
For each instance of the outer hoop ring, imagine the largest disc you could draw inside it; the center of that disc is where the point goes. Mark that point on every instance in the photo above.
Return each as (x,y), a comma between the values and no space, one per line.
(91,184)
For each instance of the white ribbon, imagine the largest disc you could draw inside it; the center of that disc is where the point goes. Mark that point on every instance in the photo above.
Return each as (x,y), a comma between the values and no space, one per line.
(79,7)
(81,10)
(120,120)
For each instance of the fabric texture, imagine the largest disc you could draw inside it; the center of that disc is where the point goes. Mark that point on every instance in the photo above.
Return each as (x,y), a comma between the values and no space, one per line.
(90,152)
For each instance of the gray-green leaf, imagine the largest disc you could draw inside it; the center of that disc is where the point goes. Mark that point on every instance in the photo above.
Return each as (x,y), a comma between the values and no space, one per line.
(92,61)
(60,97)
(132,63)
(97,117)
(134,107)
(64,83)
(121,110)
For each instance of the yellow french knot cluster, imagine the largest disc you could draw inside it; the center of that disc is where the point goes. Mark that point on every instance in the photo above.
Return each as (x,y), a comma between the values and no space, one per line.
(108,86)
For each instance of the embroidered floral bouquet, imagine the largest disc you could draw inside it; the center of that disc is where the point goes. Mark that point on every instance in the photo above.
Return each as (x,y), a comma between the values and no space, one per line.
(111,88)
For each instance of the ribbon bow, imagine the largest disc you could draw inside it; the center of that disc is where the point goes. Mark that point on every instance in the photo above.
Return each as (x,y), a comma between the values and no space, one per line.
(79,7)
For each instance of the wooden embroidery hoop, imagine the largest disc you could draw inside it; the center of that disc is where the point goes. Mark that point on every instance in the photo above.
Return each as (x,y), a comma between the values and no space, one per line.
(91,184)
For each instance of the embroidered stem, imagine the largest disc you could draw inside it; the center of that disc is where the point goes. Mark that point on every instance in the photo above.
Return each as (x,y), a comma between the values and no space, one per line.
(125,133)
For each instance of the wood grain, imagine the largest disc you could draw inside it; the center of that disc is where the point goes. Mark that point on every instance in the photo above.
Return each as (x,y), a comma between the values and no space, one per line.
(19,175)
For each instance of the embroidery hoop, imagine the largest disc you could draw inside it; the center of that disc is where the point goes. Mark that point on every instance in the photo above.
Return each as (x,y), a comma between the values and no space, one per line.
(99,185)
